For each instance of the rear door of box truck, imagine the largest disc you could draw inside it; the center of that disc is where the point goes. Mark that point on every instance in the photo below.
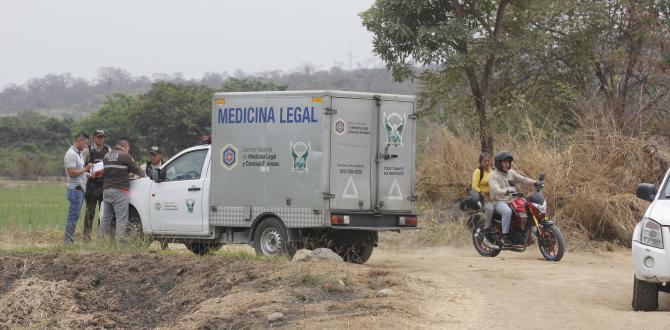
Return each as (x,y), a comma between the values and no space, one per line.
(372,153)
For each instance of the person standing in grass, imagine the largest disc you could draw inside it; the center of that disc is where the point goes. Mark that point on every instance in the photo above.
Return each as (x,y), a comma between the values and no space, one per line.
(118,164)
(94,153)
(75,172)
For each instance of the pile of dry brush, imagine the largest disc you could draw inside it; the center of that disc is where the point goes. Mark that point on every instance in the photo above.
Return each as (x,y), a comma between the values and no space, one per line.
(591,175)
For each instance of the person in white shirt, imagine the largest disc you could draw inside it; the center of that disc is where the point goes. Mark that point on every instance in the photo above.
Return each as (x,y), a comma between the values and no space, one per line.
(76,183)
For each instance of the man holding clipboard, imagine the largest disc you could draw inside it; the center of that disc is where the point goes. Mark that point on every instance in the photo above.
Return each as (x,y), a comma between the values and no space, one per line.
(94,154)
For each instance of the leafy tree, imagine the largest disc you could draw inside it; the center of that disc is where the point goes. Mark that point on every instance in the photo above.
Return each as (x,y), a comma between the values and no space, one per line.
(615,49)
(173,116)
(466,35)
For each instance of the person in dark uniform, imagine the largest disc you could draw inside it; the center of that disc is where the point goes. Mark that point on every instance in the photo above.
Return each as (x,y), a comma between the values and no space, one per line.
(94,153)
(155,160)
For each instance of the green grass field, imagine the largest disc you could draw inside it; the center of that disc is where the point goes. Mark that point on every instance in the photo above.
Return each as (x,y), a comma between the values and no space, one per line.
(34,206)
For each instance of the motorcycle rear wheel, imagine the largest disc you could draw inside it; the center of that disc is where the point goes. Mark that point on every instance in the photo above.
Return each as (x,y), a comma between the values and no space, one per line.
(481,248)
(552,245)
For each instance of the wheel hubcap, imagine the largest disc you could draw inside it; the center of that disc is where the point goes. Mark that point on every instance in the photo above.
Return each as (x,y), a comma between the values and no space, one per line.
(271,241)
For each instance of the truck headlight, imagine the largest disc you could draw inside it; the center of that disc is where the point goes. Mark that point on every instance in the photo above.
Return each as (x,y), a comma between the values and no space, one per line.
(651,233)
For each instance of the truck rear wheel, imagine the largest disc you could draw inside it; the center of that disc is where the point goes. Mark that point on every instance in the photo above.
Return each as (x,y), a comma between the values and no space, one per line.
(271,239)
(202,249)
(355,254)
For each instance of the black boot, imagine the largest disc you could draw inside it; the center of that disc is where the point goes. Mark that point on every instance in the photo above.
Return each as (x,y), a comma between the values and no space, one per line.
(506,241)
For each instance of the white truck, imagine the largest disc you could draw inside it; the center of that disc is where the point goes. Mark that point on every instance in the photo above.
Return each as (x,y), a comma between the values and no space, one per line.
(288,170)
(651,246)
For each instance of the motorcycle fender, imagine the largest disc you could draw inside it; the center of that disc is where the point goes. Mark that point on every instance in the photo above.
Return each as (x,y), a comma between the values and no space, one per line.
(546,224)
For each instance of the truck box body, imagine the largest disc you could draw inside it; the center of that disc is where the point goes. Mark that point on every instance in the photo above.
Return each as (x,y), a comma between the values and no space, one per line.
(307,155)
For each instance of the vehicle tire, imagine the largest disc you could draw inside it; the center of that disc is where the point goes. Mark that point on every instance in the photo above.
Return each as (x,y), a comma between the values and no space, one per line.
(134,232)
(645,295)
(552,245)
(271,239)
(481,248)
(355,254)
(201,249)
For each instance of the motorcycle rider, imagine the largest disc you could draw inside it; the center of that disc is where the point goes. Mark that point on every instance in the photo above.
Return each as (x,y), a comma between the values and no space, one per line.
(501,184)
(480,185)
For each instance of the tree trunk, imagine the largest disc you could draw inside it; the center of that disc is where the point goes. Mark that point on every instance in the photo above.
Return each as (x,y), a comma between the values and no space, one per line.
(481,102)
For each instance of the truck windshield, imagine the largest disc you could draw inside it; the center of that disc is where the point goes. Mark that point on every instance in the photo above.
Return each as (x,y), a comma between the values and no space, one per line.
(665,193)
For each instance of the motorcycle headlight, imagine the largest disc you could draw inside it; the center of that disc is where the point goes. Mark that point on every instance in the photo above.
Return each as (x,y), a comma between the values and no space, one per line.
(651,233)
(541,207)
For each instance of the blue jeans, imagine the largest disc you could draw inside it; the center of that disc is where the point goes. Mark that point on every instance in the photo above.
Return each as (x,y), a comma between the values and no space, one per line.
(75,198)
(506,213)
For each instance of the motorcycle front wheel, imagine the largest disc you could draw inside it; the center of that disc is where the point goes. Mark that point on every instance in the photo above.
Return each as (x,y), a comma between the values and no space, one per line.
(480,246)
(552,245)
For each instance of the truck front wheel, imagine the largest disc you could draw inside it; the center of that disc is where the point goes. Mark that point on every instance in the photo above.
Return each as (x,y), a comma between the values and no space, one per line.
(271,239)
(645,295)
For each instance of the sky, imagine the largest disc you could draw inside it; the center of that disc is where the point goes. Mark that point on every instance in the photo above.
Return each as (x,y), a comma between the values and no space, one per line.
(167,36)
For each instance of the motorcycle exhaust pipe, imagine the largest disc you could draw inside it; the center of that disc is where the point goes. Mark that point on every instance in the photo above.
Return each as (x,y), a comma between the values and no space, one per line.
(485,240)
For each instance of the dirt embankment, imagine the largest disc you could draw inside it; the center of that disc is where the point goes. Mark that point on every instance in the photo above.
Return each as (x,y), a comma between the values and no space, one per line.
(106,290)
(432,288)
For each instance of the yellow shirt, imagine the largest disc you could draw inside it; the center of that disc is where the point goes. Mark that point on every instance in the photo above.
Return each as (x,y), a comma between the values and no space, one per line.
(481,186)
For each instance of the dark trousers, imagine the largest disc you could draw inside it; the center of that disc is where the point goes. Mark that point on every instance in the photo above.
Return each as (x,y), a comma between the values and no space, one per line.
(91,205)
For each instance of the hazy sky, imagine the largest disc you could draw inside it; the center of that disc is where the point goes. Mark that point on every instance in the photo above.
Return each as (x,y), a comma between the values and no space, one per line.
(166,36)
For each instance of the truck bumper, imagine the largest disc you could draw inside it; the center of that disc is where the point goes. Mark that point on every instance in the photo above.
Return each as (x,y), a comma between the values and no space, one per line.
(375,228)
(657,267)
(374,222)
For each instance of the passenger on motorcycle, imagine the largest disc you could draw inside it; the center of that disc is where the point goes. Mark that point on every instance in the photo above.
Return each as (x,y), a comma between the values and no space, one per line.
(480,184)
(501,184)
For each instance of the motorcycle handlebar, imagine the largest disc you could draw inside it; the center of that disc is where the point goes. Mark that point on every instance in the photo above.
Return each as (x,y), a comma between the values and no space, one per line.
(515,194)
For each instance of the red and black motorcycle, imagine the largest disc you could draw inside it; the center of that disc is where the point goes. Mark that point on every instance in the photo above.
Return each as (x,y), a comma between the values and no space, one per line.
(529,222)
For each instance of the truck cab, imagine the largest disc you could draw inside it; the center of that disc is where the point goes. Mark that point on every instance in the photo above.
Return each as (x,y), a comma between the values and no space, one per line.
(651,246)
(177,204)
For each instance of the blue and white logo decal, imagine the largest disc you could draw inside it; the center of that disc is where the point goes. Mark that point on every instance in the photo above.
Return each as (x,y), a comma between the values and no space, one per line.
(340,126)
(299,154)
(229,157)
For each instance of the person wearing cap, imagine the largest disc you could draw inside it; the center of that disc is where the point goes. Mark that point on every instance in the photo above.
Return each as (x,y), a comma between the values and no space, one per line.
(155,159)
(76,183)
(94,153)
(119,164)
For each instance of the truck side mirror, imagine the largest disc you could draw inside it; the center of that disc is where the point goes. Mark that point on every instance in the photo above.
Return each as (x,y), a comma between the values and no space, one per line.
(646,191)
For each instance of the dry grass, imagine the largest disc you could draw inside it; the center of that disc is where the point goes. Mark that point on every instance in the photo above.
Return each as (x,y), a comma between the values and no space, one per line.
(76,290)
(591,177)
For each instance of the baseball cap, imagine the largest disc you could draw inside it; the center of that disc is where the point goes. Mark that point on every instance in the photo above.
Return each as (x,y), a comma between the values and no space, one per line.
(98,132)
(155,150)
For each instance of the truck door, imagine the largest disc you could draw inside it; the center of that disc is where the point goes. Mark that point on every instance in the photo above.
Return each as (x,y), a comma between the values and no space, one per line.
(177,202)
(351,151)
(395,169)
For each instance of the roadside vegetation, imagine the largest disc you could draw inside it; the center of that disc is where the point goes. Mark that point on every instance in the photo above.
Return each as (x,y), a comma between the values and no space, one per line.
(577,90)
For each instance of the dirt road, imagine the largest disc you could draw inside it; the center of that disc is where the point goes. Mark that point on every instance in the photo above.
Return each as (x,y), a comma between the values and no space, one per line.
(586,290)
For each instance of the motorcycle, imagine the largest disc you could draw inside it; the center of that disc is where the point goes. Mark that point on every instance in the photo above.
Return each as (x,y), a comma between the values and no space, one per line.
(529,221)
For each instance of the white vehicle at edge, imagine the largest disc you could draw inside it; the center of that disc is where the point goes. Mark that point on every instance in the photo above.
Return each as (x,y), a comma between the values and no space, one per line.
(651,247)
